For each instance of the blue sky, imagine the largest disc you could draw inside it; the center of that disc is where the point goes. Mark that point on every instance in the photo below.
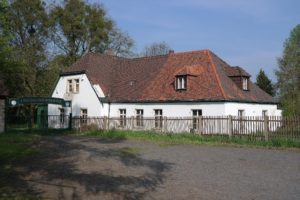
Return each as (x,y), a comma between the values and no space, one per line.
(246,33)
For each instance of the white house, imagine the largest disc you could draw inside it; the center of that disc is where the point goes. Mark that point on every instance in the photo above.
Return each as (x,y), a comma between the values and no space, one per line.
(186,84)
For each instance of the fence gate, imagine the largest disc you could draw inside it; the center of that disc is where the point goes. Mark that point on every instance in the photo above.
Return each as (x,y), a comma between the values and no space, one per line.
(32,113)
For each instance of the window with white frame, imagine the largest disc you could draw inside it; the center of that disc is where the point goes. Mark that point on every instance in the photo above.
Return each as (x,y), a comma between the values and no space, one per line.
(196,117)
(73,85)
(181,82)
(245,83)
(83,115)
(158,115)
(122,117)
(139,117)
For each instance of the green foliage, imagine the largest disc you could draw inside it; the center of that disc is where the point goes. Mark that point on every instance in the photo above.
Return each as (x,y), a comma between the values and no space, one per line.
(264,83)
(27,31)
(16,145)
(39,40)
(119,44)
(288,74)
(187,138)
(79,27)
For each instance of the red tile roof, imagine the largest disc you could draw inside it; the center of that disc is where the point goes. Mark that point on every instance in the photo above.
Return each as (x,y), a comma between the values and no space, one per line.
(152,79)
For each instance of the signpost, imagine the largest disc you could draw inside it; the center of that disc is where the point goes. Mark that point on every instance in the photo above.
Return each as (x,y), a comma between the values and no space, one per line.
(38,100)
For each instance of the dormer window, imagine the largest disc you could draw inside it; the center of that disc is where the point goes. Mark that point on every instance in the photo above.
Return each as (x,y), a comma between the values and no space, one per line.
(245,83)
(181,82)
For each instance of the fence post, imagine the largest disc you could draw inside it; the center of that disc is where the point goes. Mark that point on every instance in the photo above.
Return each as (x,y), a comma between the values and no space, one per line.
(70,122)
(105,123)
(230,126)
(165,129)
(266,127)
(132,122)
(200,124)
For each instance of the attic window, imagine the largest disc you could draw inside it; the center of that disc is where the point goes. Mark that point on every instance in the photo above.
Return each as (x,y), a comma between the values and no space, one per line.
(73,86)
(181,82)
(245,83)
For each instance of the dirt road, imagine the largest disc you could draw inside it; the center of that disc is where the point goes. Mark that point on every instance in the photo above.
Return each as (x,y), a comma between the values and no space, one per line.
(71,167)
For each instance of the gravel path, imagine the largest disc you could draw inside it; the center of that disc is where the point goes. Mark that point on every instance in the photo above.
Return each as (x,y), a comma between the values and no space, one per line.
(90,168)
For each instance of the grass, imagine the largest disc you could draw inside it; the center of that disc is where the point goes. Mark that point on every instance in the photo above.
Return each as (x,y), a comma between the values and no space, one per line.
(16,145)
(173,139)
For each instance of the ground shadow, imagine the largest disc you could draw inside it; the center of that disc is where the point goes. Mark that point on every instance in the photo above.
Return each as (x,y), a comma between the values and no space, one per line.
(54,169)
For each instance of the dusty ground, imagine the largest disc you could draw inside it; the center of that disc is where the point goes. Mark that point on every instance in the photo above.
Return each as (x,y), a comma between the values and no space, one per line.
(90,168)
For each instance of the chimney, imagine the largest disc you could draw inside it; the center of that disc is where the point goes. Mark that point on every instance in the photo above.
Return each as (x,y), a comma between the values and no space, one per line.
(171,51)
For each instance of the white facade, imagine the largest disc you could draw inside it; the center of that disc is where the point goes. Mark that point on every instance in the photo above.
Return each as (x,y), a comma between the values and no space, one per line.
(185,109)
(85,98)
(88,98)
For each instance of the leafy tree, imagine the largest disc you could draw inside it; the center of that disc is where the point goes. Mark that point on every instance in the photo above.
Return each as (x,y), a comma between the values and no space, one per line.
(119,43)
(28,22)
(78,28)
(264,83)
(155,49)
(288,74)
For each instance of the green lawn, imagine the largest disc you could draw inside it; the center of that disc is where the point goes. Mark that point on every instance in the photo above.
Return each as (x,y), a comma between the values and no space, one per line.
(195,139)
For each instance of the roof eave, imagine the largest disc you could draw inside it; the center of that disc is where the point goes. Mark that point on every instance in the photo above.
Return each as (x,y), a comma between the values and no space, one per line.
(193,100)
(71,73)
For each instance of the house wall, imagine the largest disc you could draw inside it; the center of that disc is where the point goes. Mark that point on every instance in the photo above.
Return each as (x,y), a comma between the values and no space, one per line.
(86,97)
(183,109)
(2,115)
(251,109)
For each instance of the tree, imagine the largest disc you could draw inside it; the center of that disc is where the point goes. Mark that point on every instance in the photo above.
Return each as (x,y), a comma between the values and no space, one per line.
(119,43)
(264,83)
(78,27)
(28,29)
(288,74)
(155,49)
(4,35)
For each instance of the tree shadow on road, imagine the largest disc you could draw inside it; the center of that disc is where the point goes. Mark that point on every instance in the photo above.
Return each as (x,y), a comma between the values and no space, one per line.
(55,172)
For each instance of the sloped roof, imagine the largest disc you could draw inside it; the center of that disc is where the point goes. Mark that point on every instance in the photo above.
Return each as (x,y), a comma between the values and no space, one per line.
(152,79)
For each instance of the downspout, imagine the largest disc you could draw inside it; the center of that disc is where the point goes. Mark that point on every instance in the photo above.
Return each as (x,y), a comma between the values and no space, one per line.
(108,117)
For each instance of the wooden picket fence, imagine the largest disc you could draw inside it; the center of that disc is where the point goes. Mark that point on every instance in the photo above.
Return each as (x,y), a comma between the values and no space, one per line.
(252,126)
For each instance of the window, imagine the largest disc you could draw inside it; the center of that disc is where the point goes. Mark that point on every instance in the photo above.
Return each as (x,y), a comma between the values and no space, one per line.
(241,113)
(158,118)
(83,115)
(76,85)
(70,86)
(62,115)
(181,82)
(139,117)
(245,83)
(122,117)
(264,113)
(73,86)
(196,115)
